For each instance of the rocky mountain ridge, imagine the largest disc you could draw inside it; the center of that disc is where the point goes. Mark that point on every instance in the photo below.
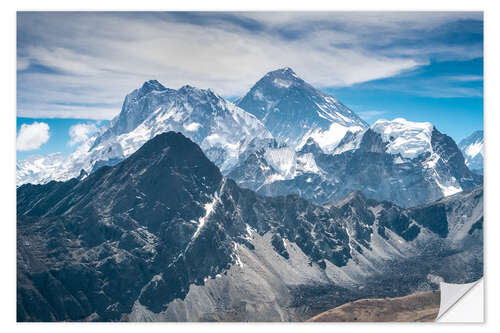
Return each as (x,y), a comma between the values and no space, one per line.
(164,236)
(403,162)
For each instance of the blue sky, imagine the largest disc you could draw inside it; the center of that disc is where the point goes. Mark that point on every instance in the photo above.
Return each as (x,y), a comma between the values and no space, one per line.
(60,140)
(433,93)
(76,68)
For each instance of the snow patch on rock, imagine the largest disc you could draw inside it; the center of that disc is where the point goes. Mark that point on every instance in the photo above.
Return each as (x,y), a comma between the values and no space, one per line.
(283,160)
(329,139)
(474,149)
(192,127)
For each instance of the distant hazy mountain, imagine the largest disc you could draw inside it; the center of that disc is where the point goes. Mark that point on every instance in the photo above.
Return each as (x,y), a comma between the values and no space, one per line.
(163,235)
(295,111)
(404,162)
(472,149)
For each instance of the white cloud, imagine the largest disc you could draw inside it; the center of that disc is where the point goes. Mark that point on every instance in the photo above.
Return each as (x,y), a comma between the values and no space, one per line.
(32,136)
(463,78)
(192,127)
(367,20)
(50,110)
(96,59)
(81,132)
(22,63)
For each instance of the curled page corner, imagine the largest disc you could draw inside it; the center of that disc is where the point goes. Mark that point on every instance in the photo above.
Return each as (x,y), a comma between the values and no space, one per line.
(453,295)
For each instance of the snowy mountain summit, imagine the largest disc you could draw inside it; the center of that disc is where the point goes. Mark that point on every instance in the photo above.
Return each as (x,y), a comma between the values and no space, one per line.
(221,129)
(409,139)
(472,149)
(283,137)
(422,145)
(295,111)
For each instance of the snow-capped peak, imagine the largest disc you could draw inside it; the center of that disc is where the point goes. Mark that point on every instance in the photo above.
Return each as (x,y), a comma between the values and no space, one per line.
(294,111)
(190,89)
(220,128)
(285,72)
(472,149)
(146,88)
(410,139)
(152,85)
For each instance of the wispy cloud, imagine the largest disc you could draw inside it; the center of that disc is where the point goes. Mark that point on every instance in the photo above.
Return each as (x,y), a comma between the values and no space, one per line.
(370,115)
(463,78)
(435,87)
(32,136)
(22,63)
(81,65)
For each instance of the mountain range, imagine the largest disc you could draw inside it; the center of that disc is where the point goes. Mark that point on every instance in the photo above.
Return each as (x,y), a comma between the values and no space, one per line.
(223,129)
(277,207)
(282,137)
(403,162)
(218,126)
(164,236)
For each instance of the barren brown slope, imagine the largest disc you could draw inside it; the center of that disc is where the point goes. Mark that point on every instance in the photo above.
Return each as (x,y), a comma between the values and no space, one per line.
(416,307)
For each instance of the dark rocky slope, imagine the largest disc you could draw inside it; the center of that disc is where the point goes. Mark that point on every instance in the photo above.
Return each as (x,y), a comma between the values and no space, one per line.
(164,236)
